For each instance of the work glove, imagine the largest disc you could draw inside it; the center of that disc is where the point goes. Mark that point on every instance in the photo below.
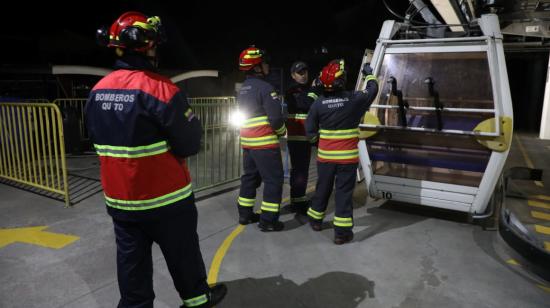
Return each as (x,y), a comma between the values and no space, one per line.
(366,70)
(317,86)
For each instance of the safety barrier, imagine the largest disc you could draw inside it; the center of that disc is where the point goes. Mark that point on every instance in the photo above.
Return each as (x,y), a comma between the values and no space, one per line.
(32,147)
(219,159)
(72,109)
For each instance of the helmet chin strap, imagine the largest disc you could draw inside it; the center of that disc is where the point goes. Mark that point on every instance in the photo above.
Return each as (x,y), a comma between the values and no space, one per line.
(152,56)
(259,71)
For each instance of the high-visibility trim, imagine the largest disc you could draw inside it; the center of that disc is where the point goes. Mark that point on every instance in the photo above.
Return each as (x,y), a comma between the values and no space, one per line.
(250,56)
(299,199)
(297,138)
(257,121)
(312,95)
(132,152)
(315,215)
(140,205)
(195,301)
(371,77)
(314,139)
(339,133)
(298,116)
(281,130)
(270,207)
(259,141)
(246,202)
(188,113)
(338,155)
(345,222)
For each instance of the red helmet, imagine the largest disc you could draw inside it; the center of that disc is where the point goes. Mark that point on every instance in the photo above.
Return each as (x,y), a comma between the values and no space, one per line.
(251,57)
(132,30)
(333,76)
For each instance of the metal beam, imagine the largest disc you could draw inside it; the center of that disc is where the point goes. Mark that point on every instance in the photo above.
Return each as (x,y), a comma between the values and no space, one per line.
(194,74)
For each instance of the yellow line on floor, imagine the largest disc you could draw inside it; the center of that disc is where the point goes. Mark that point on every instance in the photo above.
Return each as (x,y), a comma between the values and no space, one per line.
(542,229)
(528,160)
(541,197)
(540,215)
(226,244)
(542,205)
(545,288)
(220,253)
(512,262)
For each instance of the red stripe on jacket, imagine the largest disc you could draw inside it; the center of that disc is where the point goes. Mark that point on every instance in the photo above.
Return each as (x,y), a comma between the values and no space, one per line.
(144,177)
(296,127)
(338,144)
(153,84)
(257,131)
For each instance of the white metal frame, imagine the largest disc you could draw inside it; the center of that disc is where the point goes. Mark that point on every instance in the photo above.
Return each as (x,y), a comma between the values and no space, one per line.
(473,200)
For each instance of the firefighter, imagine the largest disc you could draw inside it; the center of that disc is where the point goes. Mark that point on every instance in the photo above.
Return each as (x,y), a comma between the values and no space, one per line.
(298,98)
(143,128)
(263,125)
(335,118)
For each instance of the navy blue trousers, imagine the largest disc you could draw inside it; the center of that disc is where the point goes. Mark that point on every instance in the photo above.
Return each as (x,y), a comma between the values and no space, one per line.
(262,166)
(178,240)
(300,153)
(344,175)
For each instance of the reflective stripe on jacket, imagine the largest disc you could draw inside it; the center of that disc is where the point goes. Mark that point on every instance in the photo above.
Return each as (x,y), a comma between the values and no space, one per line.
(260,104)
(142,128)
(335,118)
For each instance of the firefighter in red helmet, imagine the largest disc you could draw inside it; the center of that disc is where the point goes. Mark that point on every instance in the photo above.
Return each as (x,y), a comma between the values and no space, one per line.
(143,128)
(334,117)
(260,132)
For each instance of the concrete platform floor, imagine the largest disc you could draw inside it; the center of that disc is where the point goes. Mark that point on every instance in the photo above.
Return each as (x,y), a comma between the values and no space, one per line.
(402,256)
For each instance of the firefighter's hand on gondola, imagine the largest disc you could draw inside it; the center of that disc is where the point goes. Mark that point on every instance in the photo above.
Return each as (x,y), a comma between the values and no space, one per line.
(366,70)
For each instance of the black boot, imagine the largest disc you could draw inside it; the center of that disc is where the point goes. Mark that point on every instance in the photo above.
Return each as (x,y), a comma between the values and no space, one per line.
(249,218)
(268,226)
(214,295)
(315,226)
(343,238)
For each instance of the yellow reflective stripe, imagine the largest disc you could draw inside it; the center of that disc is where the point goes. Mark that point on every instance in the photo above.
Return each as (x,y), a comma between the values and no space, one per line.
(195,301)
(298,116)
(188,112)
(259,141)
(343,154)
(140,205)
(314,214)
(343,221)
(143,25)
(249,56)
(299,199)
(339,134)
(281,130)
(132,152)
(270,207)
(312,95)
(313,139)
(297,138)
(246,202)
(257,121)
(371,77)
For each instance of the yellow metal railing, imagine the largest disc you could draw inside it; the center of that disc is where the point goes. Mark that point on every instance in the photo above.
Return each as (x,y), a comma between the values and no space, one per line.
(73,109)
(32,149)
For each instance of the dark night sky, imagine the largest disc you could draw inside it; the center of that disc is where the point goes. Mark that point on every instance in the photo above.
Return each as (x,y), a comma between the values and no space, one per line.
(201,34)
